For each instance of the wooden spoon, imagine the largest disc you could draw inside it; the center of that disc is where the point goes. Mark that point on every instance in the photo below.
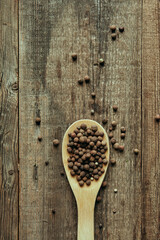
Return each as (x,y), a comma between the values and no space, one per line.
(86,195)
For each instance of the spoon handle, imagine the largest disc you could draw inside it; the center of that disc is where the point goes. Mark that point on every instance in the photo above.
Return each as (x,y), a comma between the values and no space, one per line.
(85,219)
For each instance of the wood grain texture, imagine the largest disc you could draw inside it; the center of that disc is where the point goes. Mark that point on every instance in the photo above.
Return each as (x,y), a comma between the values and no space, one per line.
(48,79)
(49,32)
(151,129)
(8,120)
(119,82)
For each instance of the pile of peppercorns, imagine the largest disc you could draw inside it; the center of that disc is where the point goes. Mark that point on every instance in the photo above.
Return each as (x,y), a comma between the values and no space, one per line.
(87,150)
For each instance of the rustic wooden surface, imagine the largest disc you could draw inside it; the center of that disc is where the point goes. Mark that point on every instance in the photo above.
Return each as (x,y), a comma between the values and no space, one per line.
(150,129)
(37,40)
(8,120)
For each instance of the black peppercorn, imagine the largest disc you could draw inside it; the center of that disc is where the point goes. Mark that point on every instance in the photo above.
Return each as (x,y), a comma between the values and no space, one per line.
(114,124)
(121,148)
(98,199)
(55,142)
(113,28)
(83,126)
(39,138)
(116,146)
(88,182)
(92,112)
(81,183)
(123,130)
(113,141)
(87,79)
(100,225)
(113,161)
(157,117)
(104,184)
(74,56)
(80,81)
(93,94)
(53,211)
(123,135)
(115,108)
(136,151)
(38,120)
(113,36)
(121,29)
(110,135)
(101,61)
(104,121)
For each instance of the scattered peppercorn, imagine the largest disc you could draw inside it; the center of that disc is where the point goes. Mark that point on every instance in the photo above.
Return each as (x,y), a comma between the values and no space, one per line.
(136,151)
(113,36)
(121,29)
(38,120)
(101,61)
(87,79)
(74,56)
(116,146)
(46,163)
(121,148)
(110,135)
(80,81)
(123,135)
(123,130)
(157,117)
(62,173)
(39,138)
(100,225)
(104,121)
(55,142)
(113,28)
(114,124)
(113,141)
(93,94)
(115,108)
(113,161)
(53,211)
(98,199)
(114,211)
(104,184)
(92,112)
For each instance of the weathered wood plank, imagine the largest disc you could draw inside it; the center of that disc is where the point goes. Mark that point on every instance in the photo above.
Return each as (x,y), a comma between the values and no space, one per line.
(8,120)
(119,82)
(151,129)
(49,32)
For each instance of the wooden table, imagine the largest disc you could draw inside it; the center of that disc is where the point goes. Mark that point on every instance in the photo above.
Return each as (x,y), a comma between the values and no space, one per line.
(39,79)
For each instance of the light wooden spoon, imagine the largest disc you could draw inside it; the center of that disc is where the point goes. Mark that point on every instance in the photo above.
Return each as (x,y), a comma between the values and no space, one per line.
(86,195)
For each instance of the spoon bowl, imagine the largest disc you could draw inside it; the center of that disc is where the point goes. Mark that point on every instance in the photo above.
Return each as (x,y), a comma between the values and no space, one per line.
(86,195)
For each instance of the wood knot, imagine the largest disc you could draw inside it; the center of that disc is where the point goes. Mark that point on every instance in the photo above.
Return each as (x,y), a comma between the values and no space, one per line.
(11,172)
(15,86)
